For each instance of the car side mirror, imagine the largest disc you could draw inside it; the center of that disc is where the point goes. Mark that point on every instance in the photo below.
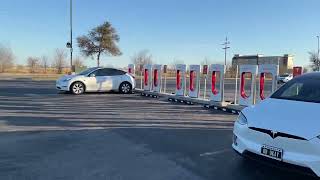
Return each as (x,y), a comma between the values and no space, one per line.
(92,75)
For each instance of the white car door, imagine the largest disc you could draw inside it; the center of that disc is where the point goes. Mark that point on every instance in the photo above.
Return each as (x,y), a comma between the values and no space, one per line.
(116,76)
(91,81)
(104,80)
(98,80)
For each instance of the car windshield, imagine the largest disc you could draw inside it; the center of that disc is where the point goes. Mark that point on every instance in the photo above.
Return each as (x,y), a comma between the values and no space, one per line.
(301,89)
(85,72)
(284,75)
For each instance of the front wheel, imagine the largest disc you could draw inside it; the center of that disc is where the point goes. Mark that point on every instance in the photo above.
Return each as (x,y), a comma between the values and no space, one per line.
(77,88)
(125,88)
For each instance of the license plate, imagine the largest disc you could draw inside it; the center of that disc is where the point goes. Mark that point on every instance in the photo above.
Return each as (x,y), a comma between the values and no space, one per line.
(272,152)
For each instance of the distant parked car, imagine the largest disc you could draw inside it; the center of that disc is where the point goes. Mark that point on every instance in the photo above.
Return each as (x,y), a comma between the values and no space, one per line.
(97,80)
(284,78)
(285,128)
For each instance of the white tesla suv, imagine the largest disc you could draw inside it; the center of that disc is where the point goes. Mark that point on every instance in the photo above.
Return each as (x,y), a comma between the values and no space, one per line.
(97,80)
(285,128)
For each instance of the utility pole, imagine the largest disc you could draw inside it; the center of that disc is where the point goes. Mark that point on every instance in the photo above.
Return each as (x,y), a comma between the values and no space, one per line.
(226,47)
(70,44)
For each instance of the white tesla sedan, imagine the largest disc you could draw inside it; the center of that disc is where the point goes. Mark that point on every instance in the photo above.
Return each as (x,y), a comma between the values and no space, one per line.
(97,80)
(285,78)
(284,128)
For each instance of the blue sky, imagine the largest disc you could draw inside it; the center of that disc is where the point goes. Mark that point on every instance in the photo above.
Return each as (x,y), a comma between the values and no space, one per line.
(184,30)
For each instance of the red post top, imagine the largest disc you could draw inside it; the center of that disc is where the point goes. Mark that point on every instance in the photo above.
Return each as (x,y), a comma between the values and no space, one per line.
(297,71)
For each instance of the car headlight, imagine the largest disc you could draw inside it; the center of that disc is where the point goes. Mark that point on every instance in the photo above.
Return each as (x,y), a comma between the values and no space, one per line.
(68,79)
(242,119)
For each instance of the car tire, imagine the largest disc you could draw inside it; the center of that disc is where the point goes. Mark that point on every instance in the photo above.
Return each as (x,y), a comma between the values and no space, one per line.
(77,88)
(125,88)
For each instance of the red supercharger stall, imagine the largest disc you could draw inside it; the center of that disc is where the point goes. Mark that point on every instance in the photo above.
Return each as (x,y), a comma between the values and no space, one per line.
(216,73)
(267,71)
(147,81)
(247,73)
(156,77)
(180,79)
(194,77)
(131,69)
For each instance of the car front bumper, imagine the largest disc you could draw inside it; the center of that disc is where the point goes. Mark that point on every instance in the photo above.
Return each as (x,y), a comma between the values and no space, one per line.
(282,80)
(62,85)
(304,153)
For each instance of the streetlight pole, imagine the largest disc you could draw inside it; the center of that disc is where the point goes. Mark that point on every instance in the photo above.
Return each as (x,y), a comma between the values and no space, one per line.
(71,48)
(318,63)
(69,44)
(226,47)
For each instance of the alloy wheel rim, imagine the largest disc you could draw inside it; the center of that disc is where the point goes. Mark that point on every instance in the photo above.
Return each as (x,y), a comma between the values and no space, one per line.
(125,88)
(77,88)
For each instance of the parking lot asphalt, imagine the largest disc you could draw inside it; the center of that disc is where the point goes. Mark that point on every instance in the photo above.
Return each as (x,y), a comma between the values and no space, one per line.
(48,135)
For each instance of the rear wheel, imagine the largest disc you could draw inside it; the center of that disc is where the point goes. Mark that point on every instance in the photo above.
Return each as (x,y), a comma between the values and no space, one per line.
(77,88)
(125,88)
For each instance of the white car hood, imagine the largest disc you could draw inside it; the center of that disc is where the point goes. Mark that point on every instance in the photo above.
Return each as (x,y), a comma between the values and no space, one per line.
(67,77)
(290,117)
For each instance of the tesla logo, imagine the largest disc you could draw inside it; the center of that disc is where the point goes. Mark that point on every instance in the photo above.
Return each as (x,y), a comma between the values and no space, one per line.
(274,134)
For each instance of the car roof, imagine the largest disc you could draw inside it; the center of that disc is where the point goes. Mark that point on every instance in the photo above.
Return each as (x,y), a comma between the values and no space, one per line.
(312,75)
(96,68)
(103,68)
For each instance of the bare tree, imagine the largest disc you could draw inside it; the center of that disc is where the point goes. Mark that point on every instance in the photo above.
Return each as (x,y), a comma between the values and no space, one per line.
(32,63)
(206,61)
(143,57)
(314,61)
(172,66)
(59,60)
(6,58)
(19,68)
(44,63)
(78,62)
(175,61)
(100,40)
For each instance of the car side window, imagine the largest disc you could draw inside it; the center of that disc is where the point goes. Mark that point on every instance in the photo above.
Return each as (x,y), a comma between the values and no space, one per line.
(113,72)
(306,89)
(107,72)
(93,74)
(98,72)
(293,91)
(116,72)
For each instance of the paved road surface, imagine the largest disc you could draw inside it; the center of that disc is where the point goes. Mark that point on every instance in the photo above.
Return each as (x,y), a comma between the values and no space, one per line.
(49,136)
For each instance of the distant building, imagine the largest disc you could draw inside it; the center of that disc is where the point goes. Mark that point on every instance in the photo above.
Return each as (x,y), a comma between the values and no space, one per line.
(285,62)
